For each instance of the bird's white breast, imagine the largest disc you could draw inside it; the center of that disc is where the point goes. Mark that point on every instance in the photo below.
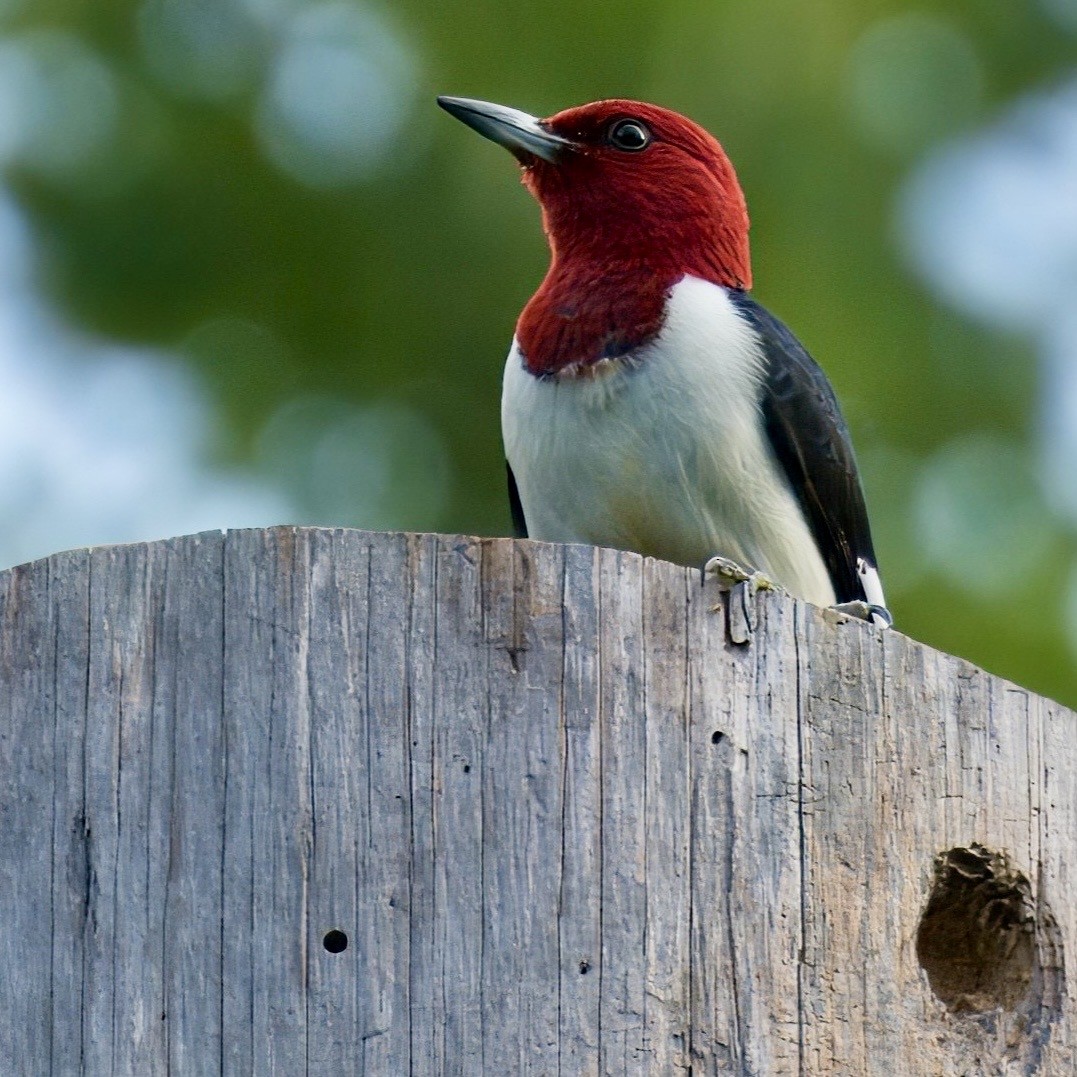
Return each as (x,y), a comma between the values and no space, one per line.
(663,452)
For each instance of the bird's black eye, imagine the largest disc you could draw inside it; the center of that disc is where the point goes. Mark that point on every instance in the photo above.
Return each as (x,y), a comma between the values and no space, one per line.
(630,135)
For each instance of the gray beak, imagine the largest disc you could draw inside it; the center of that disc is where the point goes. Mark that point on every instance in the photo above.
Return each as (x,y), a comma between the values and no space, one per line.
(521,134)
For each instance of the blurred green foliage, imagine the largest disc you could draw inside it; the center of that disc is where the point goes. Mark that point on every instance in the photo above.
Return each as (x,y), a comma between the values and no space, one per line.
(404,283)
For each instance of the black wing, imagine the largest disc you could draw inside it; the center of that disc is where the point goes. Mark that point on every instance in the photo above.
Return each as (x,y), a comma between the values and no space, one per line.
(519,524)
(812,444)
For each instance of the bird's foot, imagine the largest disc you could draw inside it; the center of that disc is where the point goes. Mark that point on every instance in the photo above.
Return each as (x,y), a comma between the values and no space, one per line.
(740,584)
(862,611)
(728,574)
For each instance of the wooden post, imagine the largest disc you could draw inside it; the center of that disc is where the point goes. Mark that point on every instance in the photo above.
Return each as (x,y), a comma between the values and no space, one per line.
(302,801)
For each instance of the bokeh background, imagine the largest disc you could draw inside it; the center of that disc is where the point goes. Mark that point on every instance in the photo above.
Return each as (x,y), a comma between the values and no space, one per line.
(249,274)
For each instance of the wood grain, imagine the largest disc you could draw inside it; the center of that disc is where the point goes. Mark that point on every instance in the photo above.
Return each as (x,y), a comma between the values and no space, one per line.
(566,826)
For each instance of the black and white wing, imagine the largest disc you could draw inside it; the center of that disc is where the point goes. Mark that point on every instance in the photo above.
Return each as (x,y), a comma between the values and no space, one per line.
(811,443)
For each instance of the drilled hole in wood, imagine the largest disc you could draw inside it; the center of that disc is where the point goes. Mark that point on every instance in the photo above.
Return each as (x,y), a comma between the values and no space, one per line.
(717,737)
(335,941)
(977,937)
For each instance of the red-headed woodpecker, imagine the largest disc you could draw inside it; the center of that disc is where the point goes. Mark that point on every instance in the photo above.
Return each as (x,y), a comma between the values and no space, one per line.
(650,403)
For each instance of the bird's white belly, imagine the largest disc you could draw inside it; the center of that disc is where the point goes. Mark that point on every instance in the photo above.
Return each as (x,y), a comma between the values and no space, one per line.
(663,452)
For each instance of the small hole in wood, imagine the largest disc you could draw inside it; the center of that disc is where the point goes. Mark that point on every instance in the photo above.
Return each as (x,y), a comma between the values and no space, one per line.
(335,942)
(977,936)
(585,967)
(717,737)
(467,768)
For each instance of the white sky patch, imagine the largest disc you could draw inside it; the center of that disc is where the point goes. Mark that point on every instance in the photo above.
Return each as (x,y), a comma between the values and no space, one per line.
(334,81)
(100,443)
(59,102)
(1058,430)
(337,96)
(991,222)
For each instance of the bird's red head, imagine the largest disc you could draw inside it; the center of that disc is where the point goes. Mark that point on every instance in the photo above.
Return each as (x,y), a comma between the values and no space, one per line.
(644,184)
(633,198)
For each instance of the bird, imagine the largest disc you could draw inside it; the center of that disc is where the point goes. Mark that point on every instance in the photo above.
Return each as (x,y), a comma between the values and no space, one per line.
(649,402)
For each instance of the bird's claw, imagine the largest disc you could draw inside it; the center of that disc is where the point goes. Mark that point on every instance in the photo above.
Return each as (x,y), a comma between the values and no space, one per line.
(739,584)
(861,610)
(728,574)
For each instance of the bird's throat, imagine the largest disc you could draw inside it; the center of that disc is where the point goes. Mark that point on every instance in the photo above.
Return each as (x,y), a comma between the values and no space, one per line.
(585,315)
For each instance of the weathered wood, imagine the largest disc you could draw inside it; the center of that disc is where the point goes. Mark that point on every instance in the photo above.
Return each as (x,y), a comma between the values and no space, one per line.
(565,825)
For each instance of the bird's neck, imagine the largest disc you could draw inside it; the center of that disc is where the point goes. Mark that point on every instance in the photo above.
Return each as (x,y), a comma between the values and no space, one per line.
(588,310)
(605,293)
